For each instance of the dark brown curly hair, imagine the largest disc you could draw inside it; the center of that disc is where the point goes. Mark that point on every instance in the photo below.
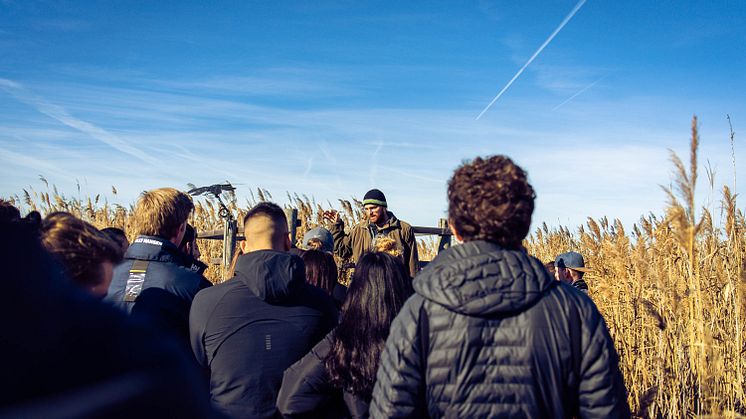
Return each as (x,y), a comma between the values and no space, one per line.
(490,199)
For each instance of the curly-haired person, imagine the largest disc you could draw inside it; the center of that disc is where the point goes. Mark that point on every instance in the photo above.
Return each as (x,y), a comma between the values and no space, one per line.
(488,332)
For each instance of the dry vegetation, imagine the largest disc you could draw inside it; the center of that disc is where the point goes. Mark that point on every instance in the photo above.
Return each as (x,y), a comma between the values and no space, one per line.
(673,290)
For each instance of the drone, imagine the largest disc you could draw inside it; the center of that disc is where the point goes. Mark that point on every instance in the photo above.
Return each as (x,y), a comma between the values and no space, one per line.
(215,190)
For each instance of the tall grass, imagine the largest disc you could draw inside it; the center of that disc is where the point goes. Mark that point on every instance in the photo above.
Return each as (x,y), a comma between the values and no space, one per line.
(672,290)
(673,293)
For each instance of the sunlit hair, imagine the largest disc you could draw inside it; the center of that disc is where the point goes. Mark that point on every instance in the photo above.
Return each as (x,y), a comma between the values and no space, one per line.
(79,246)
(388,245)
(161,212)
(315,244)
(550,267)
(321,270)
(378,290)
(490,199)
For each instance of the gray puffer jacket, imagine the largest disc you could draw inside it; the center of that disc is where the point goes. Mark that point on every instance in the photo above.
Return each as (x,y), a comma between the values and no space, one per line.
(490,334)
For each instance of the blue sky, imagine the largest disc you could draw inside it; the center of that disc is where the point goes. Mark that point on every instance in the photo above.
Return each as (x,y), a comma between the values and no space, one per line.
(330,99)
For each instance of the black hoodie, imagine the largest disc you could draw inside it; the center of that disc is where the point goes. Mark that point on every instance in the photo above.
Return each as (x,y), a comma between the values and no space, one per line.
(245,332)
(490,333)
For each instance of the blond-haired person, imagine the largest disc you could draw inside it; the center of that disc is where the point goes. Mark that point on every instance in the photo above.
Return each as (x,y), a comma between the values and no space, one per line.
(157,280)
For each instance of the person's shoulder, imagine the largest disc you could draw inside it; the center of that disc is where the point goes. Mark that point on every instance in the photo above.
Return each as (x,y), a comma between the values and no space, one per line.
(405,226)
(216,290)
(317,300)
(404,223)
(181,275)
(359,229)
(317,294)
(208,298)
(414,303)
(121,271)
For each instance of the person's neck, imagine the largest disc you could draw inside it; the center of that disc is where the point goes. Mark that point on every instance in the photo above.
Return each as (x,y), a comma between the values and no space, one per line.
(382,222)
(253,247)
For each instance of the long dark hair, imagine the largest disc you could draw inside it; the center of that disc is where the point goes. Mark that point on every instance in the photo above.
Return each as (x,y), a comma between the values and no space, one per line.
(321,270)
(377,292)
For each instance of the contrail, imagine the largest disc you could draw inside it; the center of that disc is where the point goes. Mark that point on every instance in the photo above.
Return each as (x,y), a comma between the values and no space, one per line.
(61,115)
(576,94)
(538,51)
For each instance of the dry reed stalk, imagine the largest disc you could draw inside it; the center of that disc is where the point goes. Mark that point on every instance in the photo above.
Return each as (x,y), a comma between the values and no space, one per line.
(673,290)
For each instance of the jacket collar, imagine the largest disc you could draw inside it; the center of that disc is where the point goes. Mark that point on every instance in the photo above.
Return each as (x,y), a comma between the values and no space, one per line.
(157,249)
(481,278)
(391,224)
(270,275)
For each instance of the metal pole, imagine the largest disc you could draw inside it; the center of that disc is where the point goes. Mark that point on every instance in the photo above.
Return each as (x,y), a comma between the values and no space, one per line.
(229,241)
(445,237)
(292,216)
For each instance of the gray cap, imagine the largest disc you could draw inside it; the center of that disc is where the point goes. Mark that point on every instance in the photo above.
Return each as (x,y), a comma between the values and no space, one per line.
(571,260)
(327,241)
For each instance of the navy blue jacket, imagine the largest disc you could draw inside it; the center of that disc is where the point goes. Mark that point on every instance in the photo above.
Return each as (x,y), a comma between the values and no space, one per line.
(171,282)
(248,330)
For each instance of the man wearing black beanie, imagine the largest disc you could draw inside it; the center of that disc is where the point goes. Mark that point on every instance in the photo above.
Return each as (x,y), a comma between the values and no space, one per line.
(380,223)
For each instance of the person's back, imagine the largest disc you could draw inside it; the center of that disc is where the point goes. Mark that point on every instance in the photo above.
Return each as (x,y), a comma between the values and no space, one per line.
(154,261)
(67,355)
(245,332)
(335,379)
(489,333)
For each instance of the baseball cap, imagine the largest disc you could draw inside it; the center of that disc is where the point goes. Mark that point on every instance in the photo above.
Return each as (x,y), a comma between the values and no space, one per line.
(571,260)
(322,234)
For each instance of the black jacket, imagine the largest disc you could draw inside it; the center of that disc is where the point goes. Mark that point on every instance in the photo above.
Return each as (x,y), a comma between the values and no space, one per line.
(307,393)
(248,330)
(67,355)
(168,270)
(489,333)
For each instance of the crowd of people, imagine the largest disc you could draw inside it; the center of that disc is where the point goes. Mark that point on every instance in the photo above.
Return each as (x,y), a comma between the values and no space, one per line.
(96,326)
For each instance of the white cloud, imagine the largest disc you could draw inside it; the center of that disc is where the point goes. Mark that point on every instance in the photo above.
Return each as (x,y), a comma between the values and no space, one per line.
(592,158)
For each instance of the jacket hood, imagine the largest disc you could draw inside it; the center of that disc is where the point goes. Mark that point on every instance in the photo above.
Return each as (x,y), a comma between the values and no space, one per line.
(270,275)
(156,249)
(481,278)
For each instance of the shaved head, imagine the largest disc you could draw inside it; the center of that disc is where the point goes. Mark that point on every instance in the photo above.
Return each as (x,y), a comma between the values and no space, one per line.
(266,228)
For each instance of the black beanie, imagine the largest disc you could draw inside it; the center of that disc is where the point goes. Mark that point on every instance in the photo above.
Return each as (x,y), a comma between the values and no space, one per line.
(375,197)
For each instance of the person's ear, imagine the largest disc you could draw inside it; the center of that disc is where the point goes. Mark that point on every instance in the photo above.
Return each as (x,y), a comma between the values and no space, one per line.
(243,246)
(176,240)
(455,232)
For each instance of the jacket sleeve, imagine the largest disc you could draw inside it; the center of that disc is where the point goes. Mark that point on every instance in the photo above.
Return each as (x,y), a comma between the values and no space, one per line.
(399,388)
(342,241)
(601,389)
(305,385)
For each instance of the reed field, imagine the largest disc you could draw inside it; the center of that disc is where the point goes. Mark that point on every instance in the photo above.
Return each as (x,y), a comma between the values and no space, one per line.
(671,288)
